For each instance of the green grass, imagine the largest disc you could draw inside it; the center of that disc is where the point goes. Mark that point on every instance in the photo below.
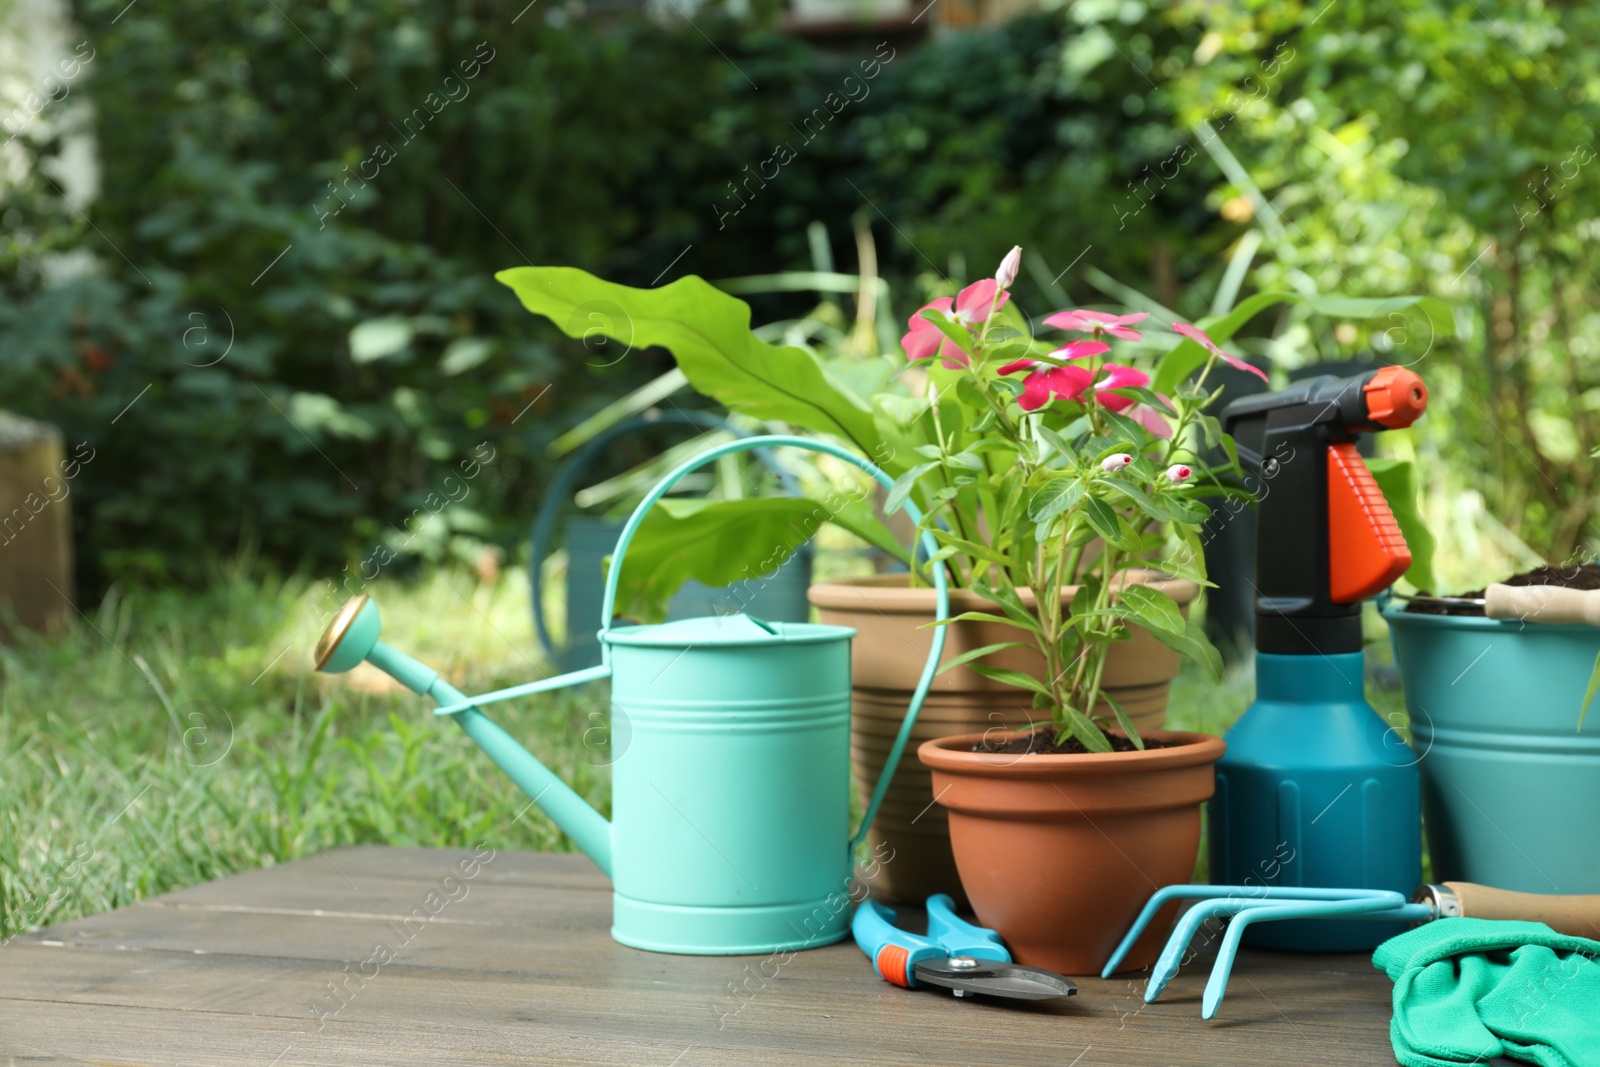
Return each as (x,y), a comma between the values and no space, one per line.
(169,738)
(164,741)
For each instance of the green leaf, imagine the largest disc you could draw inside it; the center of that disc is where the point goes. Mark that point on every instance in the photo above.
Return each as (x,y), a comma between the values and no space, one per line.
(1109,525)
(1397,480)
(1054,497)
(1232,449)
(1154,609)
(708,333)
(1084,729)
(855,514)
(1123,720)
(974,550)
(1192,643)
(1057,443)
(1016,679)
(958,334)
(1588,695)
(1151,506)
(903,487)
(984,616)
(1155,400)
(1186,508)
(715,542)
(966,461)
(1009,602)
(978,653)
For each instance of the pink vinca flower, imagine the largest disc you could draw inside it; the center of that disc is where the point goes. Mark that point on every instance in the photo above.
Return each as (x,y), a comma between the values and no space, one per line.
(1047,383)
(1076,350)
(1118,377)
(925,340)
(1150,419)
(1198,336)
(1081,350)
(1098,322)
(971,306)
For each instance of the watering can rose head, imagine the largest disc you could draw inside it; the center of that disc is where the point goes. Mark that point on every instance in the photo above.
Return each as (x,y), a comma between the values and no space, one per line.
(1066,463)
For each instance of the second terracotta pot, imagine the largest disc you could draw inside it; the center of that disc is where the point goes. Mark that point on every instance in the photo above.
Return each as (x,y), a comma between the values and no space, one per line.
(911,835)
(1058,853)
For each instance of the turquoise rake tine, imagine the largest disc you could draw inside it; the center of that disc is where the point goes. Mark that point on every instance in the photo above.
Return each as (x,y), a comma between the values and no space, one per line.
(1166,967)
(1243,894)
(1157,901)
(1374,904)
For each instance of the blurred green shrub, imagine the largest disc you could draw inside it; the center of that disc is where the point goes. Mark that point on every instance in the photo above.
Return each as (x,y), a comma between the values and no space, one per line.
(1429,146)
(298,223)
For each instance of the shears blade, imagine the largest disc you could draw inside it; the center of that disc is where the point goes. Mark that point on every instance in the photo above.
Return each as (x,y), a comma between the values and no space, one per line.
(1014,981)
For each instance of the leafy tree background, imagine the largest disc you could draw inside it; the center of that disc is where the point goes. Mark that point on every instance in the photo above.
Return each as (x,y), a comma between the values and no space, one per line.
(1364,148)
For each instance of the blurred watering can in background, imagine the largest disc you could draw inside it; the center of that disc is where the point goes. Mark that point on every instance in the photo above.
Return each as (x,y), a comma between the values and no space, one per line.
(731,804)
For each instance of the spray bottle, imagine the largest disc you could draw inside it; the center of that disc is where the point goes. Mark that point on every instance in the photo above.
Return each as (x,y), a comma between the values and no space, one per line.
(1316,789)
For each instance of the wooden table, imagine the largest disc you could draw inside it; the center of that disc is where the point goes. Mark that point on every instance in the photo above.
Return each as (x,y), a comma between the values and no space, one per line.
(366,956)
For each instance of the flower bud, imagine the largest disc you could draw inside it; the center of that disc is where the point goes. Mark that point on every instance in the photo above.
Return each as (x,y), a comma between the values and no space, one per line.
(1008,268)
(1112,464)
(1177,474)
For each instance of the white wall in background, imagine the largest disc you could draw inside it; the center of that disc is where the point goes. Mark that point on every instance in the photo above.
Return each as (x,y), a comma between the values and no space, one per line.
(44,62)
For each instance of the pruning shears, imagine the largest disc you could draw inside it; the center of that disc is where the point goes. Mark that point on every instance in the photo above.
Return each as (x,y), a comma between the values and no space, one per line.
(954,954)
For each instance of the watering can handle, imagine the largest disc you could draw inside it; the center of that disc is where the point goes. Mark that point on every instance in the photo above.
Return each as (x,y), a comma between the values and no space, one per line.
(561,483)
(614,575)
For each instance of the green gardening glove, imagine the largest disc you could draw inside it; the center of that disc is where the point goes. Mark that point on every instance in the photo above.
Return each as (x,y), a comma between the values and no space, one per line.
(1469,990)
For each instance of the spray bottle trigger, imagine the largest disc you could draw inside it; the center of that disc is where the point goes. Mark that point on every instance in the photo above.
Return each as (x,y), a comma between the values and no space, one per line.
(1367,552)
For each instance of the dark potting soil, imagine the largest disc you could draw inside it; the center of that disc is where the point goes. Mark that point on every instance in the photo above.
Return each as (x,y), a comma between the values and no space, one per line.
(1043,743)
(1586,576)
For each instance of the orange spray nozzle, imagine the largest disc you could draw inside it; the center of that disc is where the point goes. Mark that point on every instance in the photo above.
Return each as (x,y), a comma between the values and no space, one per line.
(1395,397)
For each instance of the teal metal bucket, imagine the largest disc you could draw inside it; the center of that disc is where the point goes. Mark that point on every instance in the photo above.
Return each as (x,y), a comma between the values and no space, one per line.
(1509,784)
(731,811)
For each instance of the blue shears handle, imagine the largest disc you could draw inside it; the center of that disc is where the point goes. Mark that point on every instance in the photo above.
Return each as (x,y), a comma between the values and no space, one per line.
(895,952)
(960,938)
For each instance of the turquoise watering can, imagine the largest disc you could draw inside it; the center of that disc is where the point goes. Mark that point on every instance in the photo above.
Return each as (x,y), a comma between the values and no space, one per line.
(731,804)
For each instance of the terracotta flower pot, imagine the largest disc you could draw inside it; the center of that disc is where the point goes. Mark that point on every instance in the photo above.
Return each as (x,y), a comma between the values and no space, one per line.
(1059,852)
(887,657)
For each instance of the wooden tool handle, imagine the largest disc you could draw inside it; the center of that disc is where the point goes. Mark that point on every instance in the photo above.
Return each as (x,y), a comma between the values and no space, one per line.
(1575,915)
(1542,603)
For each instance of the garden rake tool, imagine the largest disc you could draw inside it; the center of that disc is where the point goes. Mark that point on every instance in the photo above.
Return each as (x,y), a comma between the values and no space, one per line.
(1242,906)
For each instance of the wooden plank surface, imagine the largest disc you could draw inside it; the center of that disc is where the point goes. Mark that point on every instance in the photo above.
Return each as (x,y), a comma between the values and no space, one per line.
(375,955)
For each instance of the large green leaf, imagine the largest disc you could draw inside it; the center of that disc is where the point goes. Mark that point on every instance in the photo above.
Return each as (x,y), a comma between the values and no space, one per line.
(708,333)
(1187,357)
(855,515)
(1159,615)
(1397,479)
(715,542)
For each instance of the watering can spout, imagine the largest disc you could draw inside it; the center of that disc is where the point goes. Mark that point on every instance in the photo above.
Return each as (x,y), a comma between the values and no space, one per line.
(352,638)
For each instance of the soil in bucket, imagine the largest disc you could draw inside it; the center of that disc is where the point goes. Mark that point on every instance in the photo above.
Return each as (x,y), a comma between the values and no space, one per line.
(1586,576)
